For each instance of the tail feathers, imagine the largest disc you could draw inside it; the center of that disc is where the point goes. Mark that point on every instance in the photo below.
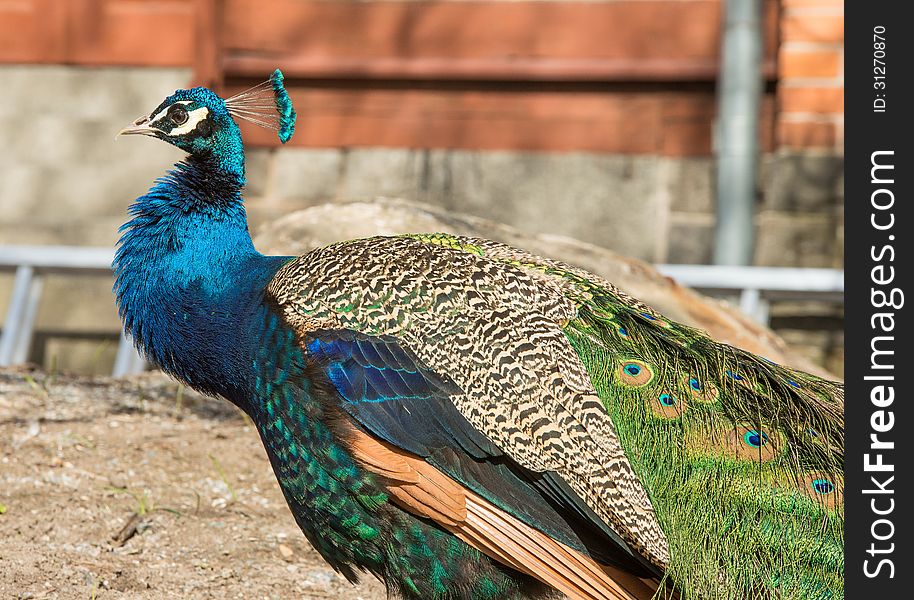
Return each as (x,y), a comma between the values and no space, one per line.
(418,487)
(512,542)
(742,458)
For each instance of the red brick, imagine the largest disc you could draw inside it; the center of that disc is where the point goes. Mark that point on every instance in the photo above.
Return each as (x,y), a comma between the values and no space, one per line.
(822,100)
(809,63)
(813,28)
(839,4)
(108,32)
(806,135)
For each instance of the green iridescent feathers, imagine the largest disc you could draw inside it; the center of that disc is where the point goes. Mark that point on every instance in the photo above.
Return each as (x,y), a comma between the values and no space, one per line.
(742,458)
(343,509)
(283,107)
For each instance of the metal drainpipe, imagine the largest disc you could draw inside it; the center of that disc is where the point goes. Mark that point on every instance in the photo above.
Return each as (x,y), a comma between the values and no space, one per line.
(736,136)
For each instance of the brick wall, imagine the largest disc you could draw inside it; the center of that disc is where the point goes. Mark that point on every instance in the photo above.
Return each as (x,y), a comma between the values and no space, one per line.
(811,75)
(614,77)
(619,76)
(657,69)
(802,208)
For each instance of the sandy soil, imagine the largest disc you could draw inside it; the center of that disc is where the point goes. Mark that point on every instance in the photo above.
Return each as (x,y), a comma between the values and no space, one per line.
(132,489)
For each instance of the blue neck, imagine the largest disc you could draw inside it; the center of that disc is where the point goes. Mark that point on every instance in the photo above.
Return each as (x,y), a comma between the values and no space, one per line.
(187,274)
(225,151)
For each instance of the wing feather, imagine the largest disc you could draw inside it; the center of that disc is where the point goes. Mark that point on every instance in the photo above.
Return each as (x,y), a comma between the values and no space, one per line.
(494,332)
(423,490)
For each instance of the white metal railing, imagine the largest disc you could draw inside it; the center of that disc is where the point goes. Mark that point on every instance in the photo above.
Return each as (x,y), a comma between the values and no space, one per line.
(756,287)
(31,264)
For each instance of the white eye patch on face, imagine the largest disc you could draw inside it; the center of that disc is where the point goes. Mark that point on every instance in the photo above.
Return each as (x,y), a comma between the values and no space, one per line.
(175,123)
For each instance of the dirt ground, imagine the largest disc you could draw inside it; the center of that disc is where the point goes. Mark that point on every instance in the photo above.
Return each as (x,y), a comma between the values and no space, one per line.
(137,489)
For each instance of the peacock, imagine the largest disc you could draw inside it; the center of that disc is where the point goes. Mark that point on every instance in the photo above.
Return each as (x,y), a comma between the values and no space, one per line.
(466,420)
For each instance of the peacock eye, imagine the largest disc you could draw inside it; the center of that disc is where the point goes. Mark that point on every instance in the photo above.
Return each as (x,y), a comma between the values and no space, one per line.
(177,114)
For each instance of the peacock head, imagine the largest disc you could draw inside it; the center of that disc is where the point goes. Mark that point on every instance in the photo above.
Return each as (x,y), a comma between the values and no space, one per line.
(201,123)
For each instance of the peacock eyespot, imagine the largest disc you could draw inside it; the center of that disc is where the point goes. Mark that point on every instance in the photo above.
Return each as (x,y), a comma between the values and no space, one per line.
(177,114)
(755,438)
(700,390)
(734,376)
(743,442)
(824,489)
(667,406)
(793,383)
(623,332)
(635,373)
(823,486)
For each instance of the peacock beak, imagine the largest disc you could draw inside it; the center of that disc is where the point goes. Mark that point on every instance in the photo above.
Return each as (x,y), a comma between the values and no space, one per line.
(140,127)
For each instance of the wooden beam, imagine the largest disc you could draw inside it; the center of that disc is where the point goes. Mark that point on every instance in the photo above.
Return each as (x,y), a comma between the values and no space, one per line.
(209,70)
(645,40)
(479,69)
(660,121)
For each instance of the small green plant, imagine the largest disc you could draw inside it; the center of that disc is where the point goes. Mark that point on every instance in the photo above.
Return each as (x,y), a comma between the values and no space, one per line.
(80,439)
(52,371)
(100,349)
(248,421)
(144,503)
(39,388)
(179,398)
(225,480)
(93,594)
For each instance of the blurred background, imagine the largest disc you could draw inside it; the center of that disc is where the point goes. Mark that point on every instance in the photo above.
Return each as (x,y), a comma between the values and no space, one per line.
(670,131)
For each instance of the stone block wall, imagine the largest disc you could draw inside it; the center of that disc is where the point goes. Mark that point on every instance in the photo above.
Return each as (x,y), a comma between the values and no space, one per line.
(65,180)
(659,209)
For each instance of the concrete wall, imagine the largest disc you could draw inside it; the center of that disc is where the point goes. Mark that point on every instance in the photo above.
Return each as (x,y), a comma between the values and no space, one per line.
(658,209)
(64,180)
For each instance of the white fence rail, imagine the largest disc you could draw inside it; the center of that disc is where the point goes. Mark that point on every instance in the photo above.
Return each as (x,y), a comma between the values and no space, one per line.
(756,287)
(31,265)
